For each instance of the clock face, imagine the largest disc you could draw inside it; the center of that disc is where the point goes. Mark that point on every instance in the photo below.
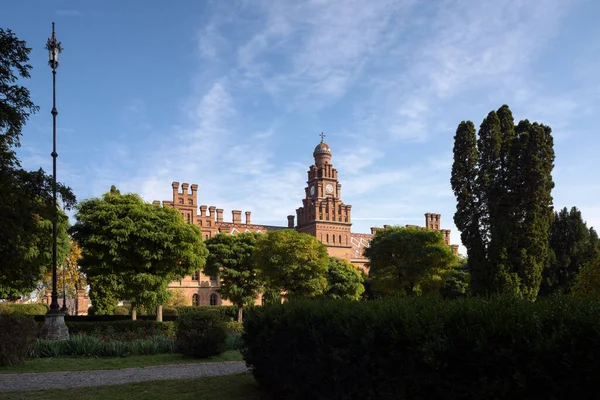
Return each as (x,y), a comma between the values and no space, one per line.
(312,190)
(329,188)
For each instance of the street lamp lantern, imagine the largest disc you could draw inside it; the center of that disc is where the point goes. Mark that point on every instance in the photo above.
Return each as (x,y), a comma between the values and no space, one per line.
(54,49)
(54,325)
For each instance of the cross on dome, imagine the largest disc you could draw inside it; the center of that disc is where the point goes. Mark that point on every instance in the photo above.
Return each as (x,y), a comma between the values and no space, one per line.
(322,136)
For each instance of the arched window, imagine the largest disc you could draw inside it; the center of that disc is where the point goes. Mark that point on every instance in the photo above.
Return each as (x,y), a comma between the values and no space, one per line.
(214,299)
(189,218)
(327,238)
(340,237)
(333,238)
(195,300)
(196,276)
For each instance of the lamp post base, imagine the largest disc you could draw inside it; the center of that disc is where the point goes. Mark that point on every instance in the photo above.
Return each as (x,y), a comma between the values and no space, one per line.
(55,327)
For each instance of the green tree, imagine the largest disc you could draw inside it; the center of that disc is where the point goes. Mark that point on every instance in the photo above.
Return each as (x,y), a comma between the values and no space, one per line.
(292,262)
(408,261)
(572,245)
(587,281)
(344,280)
(146,246)
(503,182)
(27,200)
(105,291)
(456,283)
(230,258)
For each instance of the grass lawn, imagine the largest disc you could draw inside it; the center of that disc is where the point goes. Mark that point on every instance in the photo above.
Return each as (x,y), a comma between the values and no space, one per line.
(88,363)
(230,387)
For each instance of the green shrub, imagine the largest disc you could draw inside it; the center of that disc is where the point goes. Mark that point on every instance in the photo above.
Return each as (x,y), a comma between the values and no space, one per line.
(234,341)
(227,313)
(84,346)
(17,337)
(425,348)
(49,348)
(200,334)
(23,309)
(234,327)
(121,310)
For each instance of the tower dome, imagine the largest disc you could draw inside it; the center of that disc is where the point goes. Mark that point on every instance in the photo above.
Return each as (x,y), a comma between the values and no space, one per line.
(322,153)
(322,148)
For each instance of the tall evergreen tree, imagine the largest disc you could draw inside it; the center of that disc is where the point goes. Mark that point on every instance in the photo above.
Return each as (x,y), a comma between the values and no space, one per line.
(503,187)
(572,245)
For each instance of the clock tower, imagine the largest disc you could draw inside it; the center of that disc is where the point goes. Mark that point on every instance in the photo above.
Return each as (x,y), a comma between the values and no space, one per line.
(323,214)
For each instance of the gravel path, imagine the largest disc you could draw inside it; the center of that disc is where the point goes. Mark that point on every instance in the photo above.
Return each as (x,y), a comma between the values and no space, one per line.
(66,379)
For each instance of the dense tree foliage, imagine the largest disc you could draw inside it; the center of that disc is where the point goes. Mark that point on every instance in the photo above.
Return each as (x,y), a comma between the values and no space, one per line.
(26,195)
(178,298)
(105,291)
(503,182)
(344,280)
(292,262)
(408,261)
(572,245)
(230,258)
(587,281)
(146,246)
(456,283)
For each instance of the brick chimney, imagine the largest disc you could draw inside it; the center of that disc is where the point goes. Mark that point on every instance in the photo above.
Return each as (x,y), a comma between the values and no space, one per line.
(290,221)
(219,215)
(247,217)
(236,216)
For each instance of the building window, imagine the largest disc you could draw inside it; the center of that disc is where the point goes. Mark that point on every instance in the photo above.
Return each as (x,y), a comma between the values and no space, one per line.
(189,218)
(214,278)
(214,299)
(195,300)
(333,238)
(340,237)
(196,276)
(327,238)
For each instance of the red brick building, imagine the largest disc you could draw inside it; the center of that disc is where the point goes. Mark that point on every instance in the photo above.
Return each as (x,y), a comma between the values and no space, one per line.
(323,214)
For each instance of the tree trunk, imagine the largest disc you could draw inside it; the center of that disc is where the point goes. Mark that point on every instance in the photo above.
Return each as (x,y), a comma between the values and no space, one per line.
(240,312)
(133,312)
(76,299)
(159,313)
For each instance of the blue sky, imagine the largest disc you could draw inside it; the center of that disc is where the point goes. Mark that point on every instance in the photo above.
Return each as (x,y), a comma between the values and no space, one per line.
(232,95)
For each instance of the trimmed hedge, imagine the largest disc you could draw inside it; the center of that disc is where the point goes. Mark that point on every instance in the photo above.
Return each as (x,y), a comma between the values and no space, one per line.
(23,309)
(109,318)
(150,328)
(425,348)
(17,336)
(227,313)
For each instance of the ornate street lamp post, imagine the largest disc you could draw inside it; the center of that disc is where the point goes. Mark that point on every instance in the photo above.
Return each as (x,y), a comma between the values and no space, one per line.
(54,326)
